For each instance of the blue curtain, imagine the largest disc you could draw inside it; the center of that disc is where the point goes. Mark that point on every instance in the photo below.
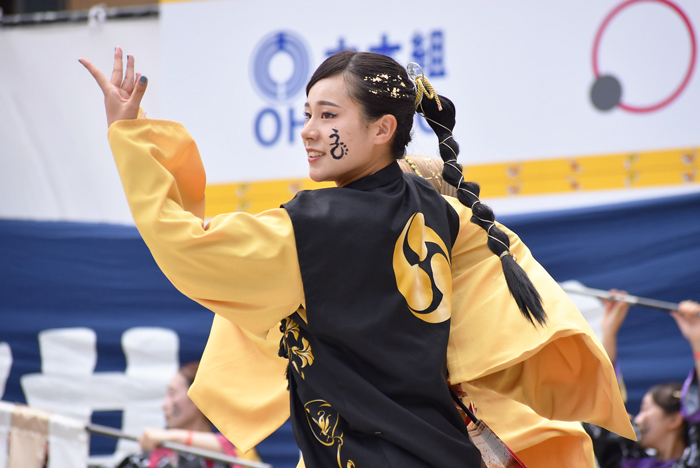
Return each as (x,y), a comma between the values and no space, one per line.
(103,277)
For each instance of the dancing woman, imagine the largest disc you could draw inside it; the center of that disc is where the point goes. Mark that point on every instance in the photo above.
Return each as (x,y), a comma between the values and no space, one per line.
(380,288)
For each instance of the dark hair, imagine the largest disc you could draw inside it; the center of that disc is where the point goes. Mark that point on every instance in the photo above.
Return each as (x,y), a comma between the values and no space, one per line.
(667,396)
(188,371)
(440,115)
(379,85)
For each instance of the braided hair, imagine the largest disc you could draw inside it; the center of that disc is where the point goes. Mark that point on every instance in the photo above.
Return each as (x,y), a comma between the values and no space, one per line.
(440,112)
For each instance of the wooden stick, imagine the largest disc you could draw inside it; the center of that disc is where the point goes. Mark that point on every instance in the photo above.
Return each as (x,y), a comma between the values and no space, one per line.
(111,432)
(464,408)
(635,300)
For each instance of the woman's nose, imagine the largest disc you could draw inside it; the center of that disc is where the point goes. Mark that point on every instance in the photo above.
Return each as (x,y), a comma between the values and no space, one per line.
(309,132)
(638,419)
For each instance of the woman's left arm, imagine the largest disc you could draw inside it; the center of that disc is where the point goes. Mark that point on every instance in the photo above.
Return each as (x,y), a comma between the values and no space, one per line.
(560,370)
(688,322)
(688,319)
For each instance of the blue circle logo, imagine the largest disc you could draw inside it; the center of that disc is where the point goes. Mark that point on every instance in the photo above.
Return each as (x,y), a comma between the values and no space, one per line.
(282,42)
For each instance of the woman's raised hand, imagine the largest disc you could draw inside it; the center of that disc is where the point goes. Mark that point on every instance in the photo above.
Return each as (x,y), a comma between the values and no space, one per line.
(688,319)
(123,92)
(615,313)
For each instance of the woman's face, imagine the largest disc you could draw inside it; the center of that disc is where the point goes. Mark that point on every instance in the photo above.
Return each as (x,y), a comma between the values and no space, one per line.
(341,146)
(654,424)
(180,412)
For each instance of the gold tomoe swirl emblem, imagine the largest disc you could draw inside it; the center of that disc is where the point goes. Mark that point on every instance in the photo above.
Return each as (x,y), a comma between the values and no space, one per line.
(423,273)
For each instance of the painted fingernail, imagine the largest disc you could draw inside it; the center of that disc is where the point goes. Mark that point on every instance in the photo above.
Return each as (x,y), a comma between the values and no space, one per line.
(127,57)
(143,79)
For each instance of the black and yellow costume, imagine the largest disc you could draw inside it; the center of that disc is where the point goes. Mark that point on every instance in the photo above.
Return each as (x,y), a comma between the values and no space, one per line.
(382,288)
(368,377)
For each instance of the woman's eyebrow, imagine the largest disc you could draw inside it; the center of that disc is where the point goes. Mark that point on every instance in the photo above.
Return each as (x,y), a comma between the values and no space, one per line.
(323,103)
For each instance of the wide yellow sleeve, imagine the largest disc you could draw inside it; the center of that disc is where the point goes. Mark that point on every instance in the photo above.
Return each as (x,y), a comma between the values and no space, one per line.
(242,267)
(559,370)
(537,441)
(240,384)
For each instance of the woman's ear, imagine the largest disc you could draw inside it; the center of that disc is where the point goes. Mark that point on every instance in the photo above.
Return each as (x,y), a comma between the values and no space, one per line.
(675,420)
(384,128)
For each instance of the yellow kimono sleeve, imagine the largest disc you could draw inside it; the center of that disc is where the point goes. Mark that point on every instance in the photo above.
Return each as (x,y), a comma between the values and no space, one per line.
(240,384)
(560,370)
(240,266)
(537,441)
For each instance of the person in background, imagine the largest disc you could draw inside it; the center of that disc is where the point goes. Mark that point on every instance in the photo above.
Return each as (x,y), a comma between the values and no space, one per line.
(186,425)
(668,418)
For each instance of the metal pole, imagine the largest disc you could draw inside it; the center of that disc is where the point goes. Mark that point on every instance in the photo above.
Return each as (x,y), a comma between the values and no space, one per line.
(635,300)
(111,432)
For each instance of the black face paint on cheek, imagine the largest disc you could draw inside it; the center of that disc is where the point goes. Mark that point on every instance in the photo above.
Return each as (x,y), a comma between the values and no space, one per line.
(339,149)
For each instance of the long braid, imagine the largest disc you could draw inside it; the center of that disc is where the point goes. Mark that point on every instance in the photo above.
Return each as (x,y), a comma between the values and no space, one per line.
(440,115)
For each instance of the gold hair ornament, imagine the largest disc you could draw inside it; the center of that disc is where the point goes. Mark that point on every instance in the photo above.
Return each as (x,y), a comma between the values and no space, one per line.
(414,167)
(508,253)
(385,84)
(423,86)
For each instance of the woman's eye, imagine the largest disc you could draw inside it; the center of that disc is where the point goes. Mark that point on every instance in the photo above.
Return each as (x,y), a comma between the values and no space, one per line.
(328,115)
(307,115)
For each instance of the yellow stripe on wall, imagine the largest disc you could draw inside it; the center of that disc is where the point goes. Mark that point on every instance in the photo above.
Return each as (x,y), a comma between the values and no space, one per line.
(255,197)
(534,177)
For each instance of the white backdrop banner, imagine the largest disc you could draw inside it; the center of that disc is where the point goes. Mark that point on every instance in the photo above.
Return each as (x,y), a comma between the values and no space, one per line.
(531,80)
(234,71)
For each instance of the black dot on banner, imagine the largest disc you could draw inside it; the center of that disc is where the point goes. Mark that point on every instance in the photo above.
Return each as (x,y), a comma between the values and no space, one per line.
(606,92)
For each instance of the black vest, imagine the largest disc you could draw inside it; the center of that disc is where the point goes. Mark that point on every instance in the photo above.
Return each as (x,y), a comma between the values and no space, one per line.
(368,371)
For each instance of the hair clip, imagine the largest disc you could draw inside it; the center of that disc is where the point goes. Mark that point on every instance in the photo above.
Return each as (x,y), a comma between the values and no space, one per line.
(422,85)
(507,253)
(414,71)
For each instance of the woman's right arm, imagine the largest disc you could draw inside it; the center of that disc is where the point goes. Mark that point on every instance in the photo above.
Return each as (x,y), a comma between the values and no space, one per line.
(241,266)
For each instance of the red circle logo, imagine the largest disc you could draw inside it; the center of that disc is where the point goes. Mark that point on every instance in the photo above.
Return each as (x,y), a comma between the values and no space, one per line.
(606,92)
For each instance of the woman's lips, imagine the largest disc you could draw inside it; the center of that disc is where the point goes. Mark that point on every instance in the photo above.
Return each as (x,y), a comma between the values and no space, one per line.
(314,155)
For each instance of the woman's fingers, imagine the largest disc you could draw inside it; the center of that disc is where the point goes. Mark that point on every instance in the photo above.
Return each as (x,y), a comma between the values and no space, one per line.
(128,83)
(122,96)
(689,308)
(118,68)
(139,90)
(100,77)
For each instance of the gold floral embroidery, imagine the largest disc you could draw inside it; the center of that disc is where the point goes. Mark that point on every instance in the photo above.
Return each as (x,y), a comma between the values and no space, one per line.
(299,357)
(291,327)
(304,354)
(323,421)
(307,358)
